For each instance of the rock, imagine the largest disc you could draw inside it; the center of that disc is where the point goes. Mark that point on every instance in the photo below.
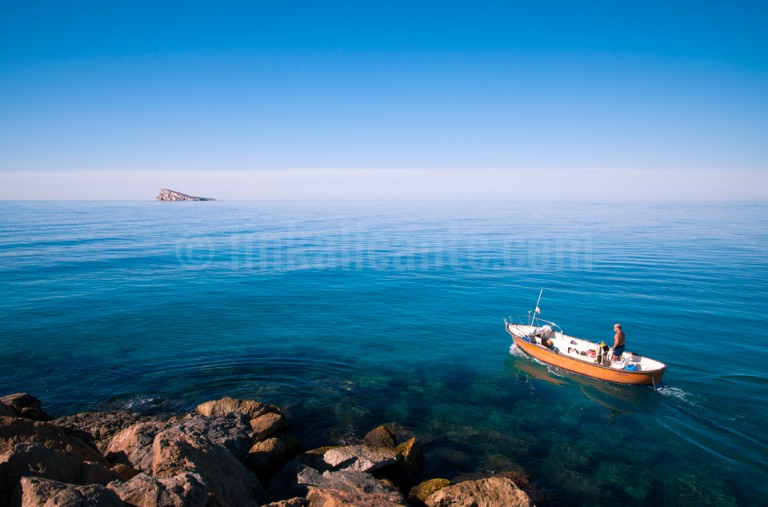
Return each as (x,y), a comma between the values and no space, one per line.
(251,409)
(347,487)
(322,497)
(265,420)
(421,491)
(183,490)
(133,445)
(266,425)
(408,469)
(14,431)
(490,492)
(292,502)
(38,492)
(172,195)
(38,460)
(381,436)
(98,428)
(230,431)
(359,458)
(25,405)
(123,472)
(229,482)
(268,456)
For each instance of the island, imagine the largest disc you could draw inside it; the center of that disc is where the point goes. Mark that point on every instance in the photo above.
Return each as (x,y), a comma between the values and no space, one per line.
(167,194)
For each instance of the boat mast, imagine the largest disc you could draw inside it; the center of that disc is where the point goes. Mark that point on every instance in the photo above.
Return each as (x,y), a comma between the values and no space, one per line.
(536,309)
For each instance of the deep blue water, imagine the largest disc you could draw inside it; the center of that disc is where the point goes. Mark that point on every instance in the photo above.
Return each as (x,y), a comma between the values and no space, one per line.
(353,314)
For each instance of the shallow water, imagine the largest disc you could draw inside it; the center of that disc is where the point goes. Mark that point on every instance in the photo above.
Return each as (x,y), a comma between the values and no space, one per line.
(350,315)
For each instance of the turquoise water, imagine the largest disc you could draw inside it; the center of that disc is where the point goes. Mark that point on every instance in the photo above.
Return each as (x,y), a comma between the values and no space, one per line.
(350,315)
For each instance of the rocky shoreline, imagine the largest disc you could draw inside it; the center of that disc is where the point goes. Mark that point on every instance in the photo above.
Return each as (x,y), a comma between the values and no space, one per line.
(227,452)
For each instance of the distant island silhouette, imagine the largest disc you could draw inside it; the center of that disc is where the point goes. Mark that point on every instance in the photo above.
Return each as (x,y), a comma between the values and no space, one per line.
(167,194)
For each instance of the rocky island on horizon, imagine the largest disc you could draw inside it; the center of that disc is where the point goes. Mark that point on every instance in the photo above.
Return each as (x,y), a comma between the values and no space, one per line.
(167,194)
(226,452)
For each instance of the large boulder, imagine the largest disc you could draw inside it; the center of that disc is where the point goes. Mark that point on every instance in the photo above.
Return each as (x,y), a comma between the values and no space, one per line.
(333,488)
(183,490)
(39,460)
(39,492)
(98,428)
(423,490)
(229,482)
(381,436)
(133,445)
(268,456)
(360,458)
(265,420)
(230,431)
(36,448)
(14,431)
(251,409)
(489,492)
(409,467)
(23,405)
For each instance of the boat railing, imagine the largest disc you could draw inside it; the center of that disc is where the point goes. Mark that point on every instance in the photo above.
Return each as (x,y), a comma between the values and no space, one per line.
(526,320)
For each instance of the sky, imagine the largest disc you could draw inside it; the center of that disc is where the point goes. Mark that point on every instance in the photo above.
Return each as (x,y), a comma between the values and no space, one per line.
(363,99)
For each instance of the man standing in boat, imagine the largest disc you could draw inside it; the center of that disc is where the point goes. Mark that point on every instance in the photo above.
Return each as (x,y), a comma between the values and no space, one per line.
(618,342)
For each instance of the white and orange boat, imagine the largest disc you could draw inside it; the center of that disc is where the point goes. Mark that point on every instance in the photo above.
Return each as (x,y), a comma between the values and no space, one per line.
(547,342)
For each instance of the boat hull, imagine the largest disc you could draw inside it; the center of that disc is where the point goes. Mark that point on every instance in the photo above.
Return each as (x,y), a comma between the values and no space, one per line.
(589,369)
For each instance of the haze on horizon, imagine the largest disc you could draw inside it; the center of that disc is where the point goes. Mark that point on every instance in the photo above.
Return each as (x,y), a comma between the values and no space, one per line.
(350,100)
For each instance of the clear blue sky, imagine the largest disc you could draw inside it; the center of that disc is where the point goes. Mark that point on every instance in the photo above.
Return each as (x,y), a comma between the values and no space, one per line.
(170,87)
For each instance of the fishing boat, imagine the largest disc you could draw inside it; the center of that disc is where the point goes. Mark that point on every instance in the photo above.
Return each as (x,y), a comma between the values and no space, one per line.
(546,341)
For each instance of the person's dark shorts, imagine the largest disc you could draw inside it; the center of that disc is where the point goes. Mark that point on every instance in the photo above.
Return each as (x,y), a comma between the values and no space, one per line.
(618,351)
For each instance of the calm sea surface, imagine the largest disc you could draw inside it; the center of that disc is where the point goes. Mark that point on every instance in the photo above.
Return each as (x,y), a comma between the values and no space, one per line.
(351,315)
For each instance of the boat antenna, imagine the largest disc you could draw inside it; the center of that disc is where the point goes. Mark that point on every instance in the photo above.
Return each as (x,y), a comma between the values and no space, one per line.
(536,310)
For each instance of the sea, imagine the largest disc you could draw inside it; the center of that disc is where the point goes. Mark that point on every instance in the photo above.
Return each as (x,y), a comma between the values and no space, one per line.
(353,314)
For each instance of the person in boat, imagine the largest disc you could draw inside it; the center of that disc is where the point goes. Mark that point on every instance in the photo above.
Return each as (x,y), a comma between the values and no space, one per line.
(618,342)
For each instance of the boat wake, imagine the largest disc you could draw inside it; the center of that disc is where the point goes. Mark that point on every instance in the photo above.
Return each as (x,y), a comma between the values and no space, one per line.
(677,394)
(514,350)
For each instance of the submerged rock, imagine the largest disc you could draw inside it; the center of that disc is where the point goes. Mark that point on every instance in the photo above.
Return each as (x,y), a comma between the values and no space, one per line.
(422,491)
(490,492)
